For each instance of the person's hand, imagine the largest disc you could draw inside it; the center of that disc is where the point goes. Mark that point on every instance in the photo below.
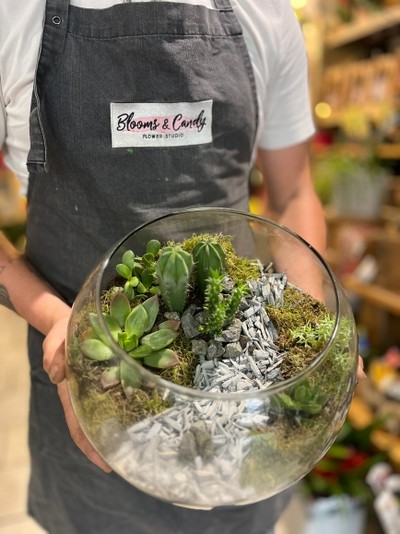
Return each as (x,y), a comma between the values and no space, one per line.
(360,371)
(54,365)
(54,351)
(76,431)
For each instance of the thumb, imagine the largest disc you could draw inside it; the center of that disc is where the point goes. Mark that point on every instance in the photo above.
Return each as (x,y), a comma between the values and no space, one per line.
(54,351)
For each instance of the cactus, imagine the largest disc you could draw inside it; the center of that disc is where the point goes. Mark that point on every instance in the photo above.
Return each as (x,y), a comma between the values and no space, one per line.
(220,309)
(233,302)
(214,305)
(208,256)
(173,269)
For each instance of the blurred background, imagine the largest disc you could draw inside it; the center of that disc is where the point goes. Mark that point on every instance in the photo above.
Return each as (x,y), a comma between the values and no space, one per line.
(354,67)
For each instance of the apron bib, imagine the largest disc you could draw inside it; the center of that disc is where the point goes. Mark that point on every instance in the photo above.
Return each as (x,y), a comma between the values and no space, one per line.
(137,110)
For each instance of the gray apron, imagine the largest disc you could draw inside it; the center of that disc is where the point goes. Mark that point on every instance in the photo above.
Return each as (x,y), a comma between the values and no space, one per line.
(137,110)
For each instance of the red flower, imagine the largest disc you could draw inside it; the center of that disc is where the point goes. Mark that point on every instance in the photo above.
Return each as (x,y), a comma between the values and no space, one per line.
(356,460)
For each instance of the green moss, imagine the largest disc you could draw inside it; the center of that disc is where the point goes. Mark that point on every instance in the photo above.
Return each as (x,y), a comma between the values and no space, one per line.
(257,466)
(154,405)
(292,439)
(298,310)
(97,406)
(183,373)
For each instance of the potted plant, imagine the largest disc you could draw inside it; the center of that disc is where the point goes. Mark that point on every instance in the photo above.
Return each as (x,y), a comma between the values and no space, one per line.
(336,489)
(352,182)
(350,177)
(212,357)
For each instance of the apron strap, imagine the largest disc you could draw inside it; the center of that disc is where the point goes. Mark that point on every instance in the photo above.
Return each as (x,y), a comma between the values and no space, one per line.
(223,5)
(228,17)
(54,31)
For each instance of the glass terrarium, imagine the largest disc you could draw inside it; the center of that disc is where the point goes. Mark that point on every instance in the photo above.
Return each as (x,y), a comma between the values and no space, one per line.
(212,358)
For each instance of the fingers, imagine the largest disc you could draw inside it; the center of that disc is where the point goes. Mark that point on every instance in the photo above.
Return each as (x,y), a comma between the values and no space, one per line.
(360,371)
(54,365)
(54,351)
(76,431)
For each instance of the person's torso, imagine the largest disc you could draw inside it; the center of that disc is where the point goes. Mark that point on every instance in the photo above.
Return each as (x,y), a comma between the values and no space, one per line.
(138,110)
(20,34)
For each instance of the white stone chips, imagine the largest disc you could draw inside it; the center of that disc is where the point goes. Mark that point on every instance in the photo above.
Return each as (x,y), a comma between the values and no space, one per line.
(253,364)
(193,452)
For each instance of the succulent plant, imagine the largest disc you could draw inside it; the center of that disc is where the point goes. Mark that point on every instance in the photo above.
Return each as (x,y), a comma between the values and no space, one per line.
(131,328)
(173,269)
(139,271)
(208,256)
(306,399)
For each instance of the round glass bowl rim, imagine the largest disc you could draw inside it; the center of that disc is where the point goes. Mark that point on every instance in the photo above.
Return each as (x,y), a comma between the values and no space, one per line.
(197,394)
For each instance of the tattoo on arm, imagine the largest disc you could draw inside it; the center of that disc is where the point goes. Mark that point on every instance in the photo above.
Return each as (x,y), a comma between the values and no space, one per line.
(5,298)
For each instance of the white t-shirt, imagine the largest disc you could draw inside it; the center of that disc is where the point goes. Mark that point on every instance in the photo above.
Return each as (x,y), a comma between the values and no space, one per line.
(273,38)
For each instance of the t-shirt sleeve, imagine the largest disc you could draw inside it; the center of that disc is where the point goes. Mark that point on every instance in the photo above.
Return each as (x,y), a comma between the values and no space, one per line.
(287,110)
(2,119)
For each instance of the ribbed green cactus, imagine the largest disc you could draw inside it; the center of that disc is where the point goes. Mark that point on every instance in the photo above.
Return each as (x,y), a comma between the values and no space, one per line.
(208,256)
(173,268)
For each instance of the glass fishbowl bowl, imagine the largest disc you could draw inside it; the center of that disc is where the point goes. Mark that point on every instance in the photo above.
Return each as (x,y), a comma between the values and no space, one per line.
(211,358)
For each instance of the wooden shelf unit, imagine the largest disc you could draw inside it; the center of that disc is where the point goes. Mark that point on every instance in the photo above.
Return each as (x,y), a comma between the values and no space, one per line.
(389,151)
(381,297)
(374,23)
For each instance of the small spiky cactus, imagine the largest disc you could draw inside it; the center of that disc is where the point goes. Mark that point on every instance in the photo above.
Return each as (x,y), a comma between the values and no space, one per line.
(220,309)
(214,305)
(173,268)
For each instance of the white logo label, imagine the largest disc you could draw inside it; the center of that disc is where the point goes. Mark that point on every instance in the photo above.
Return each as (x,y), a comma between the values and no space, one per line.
(161,124)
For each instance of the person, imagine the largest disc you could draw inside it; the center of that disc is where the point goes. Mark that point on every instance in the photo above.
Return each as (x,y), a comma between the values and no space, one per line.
(113,113)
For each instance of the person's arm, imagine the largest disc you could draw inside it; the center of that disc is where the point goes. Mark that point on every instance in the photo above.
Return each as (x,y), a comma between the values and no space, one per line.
(292,199)
(24,292)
